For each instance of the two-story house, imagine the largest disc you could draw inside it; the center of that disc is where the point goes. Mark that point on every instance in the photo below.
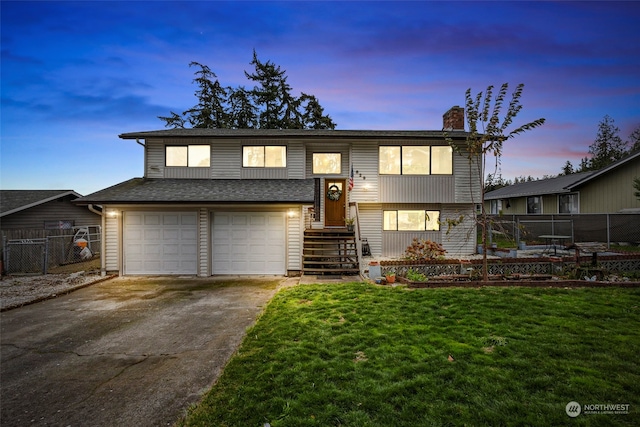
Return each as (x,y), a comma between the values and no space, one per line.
(246,201)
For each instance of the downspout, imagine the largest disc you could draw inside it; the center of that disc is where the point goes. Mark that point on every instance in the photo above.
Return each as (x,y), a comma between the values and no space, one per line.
(94,210)
(103,243)
(144,155)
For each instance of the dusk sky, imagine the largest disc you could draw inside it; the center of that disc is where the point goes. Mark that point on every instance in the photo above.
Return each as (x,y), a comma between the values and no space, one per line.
(75,75)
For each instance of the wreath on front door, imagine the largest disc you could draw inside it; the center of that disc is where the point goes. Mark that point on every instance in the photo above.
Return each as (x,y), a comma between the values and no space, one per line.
(334,193)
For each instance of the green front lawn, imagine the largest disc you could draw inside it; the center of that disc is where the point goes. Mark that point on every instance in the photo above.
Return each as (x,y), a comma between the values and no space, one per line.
(365,355)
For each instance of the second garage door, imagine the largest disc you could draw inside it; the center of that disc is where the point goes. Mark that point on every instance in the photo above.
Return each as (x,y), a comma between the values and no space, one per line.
(249,243)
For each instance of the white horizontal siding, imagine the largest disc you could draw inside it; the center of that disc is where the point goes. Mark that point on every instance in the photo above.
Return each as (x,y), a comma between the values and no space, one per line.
(187,173)
(370,221)
(459,239)
(112,241)
(417,189)
(296,160)
(395,243)
(226,160)
(294,239)
(467,180)
(365,172)
(203,242)
(154,149)
(264,173)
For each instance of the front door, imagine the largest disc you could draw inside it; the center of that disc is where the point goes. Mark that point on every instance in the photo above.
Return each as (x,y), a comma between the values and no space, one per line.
(334,202)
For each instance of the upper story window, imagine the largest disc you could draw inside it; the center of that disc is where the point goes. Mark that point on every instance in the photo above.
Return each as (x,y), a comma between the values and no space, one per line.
(568,203)
(411,220)
(327,163)
(264,156)
(193,156)
(416,160)
(534,205)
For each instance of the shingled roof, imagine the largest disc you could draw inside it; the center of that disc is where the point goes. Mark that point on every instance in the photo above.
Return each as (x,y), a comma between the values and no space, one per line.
(557,185)
(193,191)
(12,201)
(539,187)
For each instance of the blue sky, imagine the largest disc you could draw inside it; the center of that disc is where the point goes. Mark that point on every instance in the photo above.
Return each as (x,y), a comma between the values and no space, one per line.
(75,75)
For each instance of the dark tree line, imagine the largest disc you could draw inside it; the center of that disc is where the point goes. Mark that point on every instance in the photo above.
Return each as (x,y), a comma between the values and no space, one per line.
(268,105)
(607,148)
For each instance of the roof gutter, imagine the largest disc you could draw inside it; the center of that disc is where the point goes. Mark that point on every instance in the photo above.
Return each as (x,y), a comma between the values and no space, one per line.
(94,210)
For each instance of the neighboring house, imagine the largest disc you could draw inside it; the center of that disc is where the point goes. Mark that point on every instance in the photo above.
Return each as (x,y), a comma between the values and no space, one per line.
(222,201)
(43,210)
(608,190)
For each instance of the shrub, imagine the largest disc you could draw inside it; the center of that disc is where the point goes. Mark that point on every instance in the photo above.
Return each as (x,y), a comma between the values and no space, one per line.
(416,276)
(420,250)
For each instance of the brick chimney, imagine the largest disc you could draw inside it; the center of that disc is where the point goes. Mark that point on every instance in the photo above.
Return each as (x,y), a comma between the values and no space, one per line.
(453,119)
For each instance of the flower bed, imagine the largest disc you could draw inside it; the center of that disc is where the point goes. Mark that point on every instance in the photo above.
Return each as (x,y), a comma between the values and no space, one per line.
(507,271)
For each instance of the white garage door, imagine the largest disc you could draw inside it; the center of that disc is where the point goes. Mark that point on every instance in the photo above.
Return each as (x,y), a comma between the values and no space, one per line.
(160,243)
(249,243)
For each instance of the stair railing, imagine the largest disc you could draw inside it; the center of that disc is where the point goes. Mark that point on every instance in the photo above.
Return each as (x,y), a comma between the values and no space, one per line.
(357,235)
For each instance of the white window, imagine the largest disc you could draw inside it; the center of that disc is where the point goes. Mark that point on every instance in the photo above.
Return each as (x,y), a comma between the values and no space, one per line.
(496,206)
(442,160)
(415,160)
(193,156)
(327,163)
(264,156)
(390,161)
(411,220)
(568,203)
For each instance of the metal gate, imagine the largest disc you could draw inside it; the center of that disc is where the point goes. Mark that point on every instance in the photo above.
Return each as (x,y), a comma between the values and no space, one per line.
(26,256)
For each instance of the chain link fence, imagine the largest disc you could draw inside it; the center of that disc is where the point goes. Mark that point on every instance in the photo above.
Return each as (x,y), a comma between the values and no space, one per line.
(38,254)
(609,229)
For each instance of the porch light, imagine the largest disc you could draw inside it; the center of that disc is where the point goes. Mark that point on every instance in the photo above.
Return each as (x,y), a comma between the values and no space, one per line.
(291,213)
(112,213)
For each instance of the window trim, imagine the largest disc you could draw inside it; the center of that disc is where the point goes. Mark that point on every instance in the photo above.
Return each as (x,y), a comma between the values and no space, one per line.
(425,212)
(413,174)
(187,146)
(495,206)
(577,196)
(541,210)
(264,157)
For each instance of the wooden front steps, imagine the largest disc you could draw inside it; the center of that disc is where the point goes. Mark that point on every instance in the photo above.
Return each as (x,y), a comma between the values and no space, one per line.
(330,251)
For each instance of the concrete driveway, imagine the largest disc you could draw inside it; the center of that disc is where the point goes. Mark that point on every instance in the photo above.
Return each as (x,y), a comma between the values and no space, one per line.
(126,352)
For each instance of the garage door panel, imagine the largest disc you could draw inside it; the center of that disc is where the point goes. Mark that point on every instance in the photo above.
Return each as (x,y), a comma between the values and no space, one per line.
(249,243)
(239,220)
(160,243)
(151,234)
(151,219)
(189,234)
(170,220)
